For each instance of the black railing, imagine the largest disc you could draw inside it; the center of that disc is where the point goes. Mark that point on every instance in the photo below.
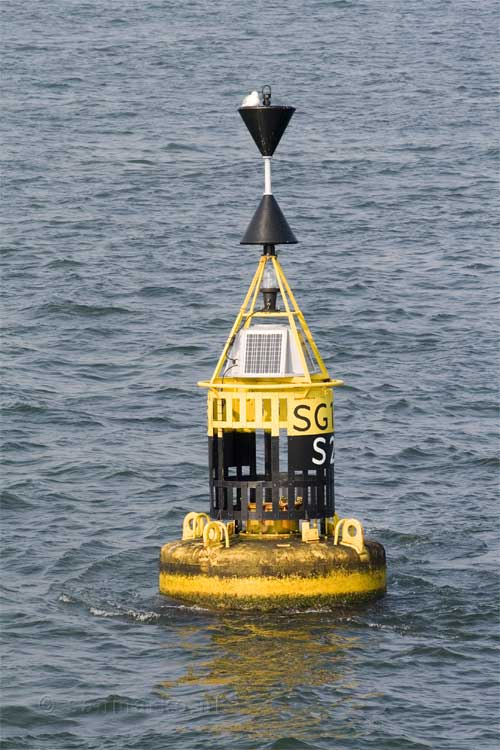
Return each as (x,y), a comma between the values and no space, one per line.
(285,497)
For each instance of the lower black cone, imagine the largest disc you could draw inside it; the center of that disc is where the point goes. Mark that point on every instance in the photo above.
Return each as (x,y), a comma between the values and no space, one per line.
(268,225)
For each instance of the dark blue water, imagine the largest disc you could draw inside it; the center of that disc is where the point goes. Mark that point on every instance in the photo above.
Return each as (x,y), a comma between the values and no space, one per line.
(129,180)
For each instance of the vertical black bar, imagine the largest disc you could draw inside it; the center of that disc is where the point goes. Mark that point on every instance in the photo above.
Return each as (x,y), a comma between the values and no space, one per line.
(237,504)
(331,490)
(253,461)
(321,493)
(220,458)
(221,494)
(305,495)
(267,455)
(315,503)
(291,492)
(211,449)
(268,466)
(244,502)
(275,475)
(258,500)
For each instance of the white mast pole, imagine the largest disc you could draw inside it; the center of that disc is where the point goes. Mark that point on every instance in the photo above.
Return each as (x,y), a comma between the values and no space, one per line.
(267,175)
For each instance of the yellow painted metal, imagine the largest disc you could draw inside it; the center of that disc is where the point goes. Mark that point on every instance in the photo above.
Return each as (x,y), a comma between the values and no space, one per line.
(255,294)
(274,404)
(340,583)
(311,416)
(255,285)
(292,312)
(214,533)
(291,318)
(193,525)
(270,573)
(292,411)
(350,532)
(330,524)
(272,527)
(277,384)
(303,323)
(310,531)
(217,532)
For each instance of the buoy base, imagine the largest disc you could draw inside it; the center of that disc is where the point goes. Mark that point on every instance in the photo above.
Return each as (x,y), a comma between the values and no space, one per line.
(266,574)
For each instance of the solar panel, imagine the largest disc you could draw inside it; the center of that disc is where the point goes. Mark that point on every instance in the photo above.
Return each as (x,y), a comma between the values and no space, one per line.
(263,353)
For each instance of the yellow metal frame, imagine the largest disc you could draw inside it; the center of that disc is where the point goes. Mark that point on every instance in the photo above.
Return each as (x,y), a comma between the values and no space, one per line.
(298,326)
(237,403)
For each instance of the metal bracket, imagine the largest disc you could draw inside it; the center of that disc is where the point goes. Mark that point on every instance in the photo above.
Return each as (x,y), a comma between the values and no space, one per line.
(352,536)
(193,525)
(217,532)
(310,533)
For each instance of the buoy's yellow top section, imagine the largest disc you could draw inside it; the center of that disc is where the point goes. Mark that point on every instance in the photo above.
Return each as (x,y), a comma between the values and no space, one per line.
(299,412)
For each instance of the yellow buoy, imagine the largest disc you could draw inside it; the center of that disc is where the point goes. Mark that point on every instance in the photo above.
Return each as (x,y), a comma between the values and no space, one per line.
(271,538)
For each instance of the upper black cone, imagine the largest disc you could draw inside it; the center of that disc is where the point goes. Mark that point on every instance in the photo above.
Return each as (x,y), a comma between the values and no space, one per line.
(268,225)
(266,125)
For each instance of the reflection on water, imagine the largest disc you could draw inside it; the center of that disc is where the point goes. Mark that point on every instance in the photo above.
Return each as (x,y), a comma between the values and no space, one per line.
(259,677)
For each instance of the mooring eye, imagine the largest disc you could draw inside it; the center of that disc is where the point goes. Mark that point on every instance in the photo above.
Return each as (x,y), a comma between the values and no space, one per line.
(266,95)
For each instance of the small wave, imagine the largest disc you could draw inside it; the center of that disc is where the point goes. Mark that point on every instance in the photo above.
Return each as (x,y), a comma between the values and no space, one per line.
(173,146)
(402,405)
(111,703)
(9,500)
(54,86)
(24,717)
(74,308)
(291,743)
(22,407)
(145,162)
(166,390)
(413,455)
(21,445)
(64,263)
(131,614)
(387,388)
(404,537)
(123,474)
(440,653)
(479,267)
(160,420)
(489,461)
(160,291)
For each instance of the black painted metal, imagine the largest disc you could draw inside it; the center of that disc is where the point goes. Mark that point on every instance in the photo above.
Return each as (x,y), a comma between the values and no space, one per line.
(266,125)
(268,250)
(270,296)
(238,492)
(268,225)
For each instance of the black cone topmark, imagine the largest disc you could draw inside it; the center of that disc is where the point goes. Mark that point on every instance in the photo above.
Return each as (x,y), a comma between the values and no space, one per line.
(266,125)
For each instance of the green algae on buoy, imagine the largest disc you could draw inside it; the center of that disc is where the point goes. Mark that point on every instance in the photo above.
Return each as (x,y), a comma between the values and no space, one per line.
(271,538)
